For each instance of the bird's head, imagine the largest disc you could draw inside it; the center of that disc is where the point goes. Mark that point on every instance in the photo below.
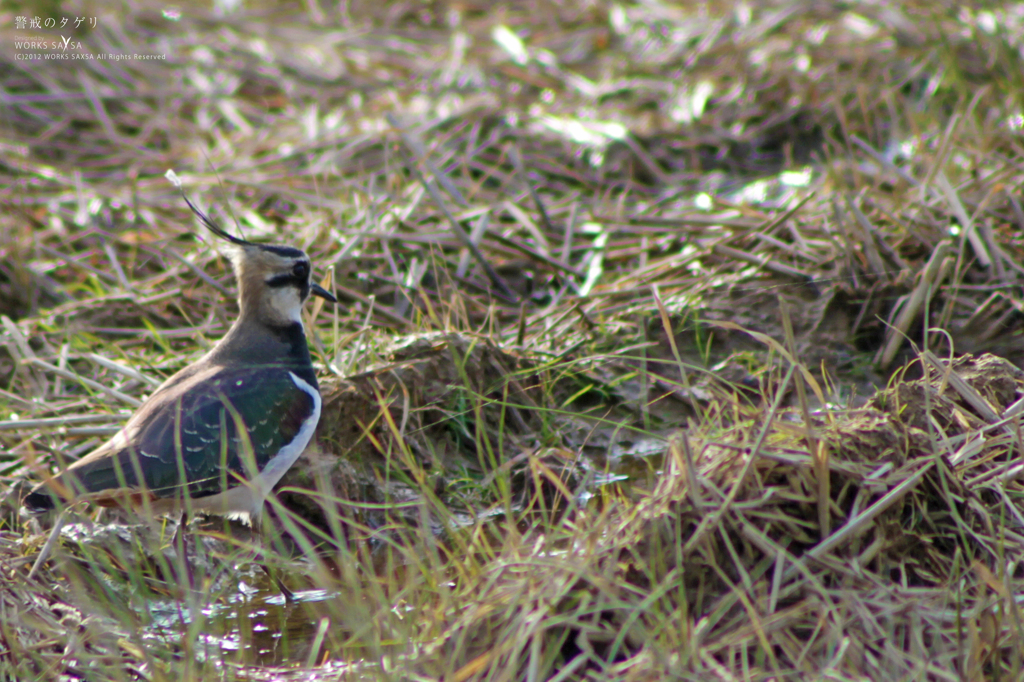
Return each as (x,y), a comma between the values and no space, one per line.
(273,281)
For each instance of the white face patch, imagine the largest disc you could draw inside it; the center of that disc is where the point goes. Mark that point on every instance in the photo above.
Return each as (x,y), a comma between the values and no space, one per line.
(282,304)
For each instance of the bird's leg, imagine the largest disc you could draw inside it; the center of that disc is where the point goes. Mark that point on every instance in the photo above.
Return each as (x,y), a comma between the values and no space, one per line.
(180,543)
(289,596)
(47,549)
(257,527)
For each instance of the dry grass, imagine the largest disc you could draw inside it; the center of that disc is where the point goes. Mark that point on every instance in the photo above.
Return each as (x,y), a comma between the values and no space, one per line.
(734,219)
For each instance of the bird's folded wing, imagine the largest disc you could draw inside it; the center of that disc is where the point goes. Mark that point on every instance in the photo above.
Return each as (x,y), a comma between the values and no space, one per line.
(219,430)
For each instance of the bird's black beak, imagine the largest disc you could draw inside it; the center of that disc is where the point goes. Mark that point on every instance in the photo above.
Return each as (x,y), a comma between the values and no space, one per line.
(318,290)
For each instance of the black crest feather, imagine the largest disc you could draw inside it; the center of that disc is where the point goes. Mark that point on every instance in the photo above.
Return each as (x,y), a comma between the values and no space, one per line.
(205,219)
(213,227)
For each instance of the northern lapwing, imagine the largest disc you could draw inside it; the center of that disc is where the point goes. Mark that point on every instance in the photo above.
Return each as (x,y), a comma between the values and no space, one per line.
(219,434)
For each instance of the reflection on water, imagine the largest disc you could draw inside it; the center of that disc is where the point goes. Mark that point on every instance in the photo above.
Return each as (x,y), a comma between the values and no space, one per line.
(254,626)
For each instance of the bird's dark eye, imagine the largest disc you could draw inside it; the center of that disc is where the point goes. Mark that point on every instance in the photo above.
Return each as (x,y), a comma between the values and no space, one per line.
(301,270)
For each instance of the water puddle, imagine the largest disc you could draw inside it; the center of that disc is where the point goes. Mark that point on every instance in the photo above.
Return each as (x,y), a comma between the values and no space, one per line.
(253,626)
